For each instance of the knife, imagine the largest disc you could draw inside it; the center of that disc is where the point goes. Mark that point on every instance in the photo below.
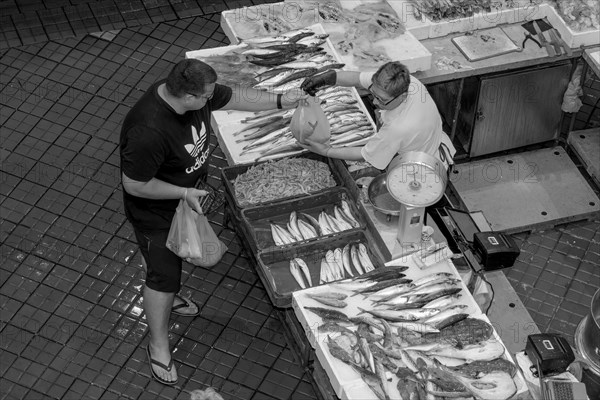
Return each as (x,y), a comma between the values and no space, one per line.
(559,42)
(546,44)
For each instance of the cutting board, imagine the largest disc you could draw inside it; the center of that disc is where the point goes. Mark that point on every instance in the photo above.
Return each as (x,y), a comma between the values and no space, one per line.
(486,43)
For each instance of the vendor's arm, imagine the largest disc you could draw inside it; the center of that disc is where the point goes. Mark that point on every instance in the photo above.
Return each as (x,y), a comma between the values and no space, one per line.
(383,146)
(344,153)
(249,99)
(155,189)
(313,84)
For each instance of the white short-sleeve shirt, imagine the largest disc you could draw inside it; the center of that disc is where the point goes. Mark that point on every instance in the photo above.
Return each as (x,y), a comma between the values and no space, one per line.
(415,125)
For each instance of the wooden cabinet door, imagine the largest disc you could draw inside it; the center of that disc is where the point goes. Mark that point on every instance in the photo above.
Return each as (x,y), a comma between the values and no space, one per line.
(519,109)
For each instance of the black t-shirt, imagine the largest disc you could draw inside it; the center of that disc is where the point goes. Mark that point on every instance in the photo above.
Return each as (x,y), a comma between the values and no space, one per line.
(156,142)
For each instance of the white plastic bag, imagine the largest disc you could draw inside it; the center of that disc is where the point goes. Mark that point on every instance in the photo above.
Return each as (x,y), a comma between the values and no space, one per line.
(310,122)
(192,238)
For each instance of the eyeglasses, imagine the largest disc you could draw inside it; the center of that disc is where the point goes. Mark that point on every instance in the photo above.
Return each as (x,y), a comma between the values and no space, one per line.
(382,102)
(203,96)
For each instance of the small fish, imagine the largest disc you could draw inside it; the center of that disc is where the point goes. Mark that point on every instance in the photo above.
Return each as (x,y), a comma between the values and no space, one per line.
(303,73)
(305,270)
(444,301)
(332,327)
(445,313)
(313,221)
(365,260)
(329,295)
(295,271)
(339,262)
(308,232)
(327,314)
(346,259)
(432,277)
(330,302)
(384,285)
(294,225)
(400,316)
(450,320)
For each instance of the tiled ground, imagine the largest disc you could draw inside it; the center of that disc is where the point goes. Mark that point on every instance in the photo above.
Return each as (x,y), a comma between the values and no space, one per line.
(71,320)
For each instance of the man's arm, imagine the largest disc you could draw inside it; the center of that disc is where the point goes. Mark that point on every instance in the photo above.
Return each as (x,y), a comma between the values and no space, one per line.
(249,99)
(348,79)
(344,153)
(156,189)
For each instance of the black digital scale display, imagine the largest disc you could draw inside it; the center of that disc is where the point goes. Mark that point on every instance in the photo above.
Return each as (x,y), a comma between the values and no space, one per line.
(494,250)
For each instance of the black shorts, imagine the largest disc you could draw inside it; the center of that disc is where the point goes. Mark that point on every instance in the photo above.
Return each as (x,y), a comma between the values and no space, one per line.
(163,267)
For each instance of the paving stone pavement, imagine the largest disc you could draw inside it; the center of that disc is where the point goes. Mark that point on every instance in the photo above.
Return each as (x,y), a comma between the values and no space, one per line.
(71,321)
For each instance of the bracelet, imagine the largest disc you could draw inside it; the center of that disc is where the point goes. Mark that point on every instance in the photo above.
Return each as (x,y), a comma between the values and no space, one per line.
(184,193)
(327,152)
(279,96)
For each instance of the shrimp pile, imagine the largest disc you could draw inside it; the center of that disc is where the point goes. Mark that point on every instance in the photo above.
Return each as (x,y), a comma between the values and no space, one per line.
(287,177)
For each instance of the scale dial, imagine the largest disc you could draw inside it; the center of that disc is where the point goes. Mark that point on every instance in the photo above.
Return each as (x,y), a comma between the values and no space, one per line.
(416,179)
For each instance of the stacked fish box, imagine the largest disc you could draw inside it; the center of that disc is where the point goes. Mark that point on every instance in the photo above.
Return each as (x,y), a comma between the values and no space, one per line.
(401,332)
(292,211)
(292,268)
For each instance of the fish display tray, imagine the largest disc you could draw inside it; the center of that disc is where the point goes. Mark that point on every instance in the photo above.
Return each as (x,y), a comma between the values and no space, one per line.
(256,221)
(226,124)
(571,37)
(245,23)
(274,265)
(229,174)
(345,381)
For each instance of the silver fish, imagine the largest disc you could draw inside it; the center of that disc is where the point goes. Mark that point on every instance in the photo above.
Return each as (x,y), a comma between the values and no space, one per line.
(305,270)
(295,271)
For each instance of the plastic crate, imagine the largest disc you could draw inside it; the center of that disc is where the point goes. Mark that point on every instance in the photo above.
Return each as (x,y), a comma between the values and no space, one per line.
(274,265)
(256,221)
(229,174)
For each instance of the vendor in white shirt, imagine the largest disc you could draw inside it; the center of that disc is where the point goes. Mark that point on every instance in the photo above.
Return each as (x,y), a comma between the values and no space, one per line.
(409,119)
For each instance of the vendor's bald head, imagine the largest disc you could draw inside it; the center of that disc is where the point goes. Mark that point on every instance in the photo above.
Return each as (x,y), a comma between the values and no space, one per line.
(190,76)
(393,77)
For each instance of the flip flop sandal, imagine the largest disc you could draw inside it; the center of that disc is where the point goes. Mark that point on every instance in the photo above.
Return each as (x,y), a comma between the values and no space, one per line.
(161,365)
(186,303)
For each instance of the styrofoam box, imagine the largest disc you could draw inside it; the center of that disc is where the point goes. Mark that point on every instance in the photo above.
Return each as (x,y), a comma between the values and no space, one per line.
(406,48)
(489,19)
(571,37)
(345,381)
(229,122)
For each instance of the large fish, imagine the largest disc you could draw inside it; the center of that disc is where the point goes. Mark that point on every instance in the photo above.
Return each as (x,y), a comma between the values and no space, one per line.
(485,351)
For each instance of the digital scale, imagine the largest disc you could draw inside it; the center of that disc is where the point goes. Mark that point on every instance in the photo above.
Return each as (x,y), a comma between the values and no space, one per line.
(416,180)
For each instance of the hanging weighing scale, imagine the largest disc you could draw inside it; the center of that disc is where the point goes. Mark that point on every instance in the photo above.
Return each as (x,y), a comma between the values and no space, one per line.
(416,180)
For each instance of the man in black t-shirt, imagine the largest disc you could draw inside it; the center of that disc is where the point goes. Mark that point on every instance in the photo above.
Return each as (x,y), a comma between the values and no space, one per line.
(164,149)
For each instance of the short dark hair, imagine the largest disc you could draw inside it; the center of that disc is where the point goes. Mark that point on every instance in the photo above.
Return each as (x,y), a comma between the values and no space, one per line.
(393,77)
(190,76)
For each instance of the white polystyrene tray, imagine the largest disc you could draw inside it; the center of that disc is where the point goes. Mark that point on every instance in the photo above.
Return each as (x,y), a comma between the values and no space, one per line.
(229,122)
(405,48)
(572,38)
(345,381)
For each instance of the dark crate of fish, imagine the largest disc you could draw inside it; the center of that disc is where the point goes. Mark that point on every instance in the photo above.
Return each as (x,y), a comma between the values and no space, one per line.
(229,175)
(273,265)
(256,221)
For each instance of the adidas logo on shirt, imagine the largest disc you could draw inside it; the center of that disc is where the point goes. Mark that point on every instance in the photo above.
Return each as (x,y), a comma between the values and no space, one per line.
(196,148)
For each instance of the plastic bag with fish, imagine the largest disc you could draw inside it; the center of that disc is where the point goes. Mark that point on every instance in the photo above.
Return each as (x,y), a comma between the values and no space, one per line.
(310,122)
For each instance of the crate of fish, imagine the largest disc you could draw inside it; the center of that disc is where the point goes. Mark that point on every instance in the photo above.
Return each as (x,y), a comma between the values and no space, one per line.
(302,220)
(259,184)
(286,270)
